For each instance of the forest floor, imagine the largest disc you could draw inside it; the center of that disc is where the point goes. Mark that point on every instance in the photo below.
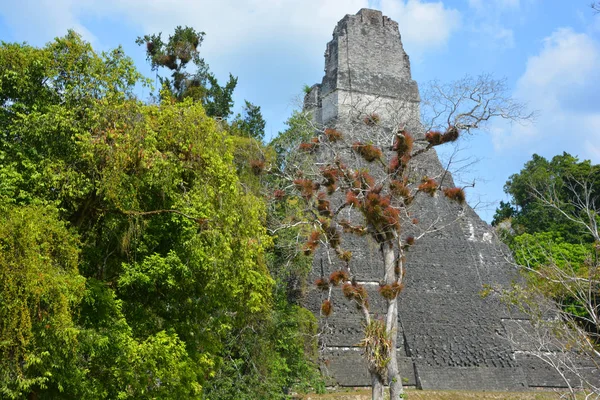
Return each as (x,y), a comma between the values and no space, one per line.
(365,394)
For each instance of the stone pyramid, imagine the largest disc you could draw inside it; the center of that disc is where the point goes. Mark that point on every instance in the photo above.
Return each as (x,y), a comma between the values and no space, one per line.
(450,336)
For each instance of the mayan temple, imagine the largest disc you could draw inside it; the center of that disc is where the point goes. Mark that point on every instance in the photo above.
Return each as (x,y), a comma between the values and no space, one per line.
(450,337)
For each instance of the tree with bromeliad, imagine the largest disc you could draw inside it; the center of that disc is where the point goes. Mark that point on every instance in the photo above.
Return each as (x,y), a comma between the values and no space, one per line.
(366,179)
(364,189)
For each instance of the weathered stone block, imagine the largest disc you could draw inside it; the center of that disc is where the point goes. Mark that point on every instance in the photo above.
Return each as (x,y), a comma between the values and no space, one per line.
(347,367)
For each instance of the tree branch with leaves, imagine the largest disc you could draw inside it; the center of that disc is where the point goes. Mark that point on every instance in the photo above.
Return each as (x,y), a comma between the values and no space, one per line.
(175,54)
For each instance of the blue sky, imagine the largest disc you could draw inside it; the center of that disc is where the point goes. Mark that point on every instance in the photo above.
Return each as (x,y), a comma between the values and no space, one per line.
(548,50)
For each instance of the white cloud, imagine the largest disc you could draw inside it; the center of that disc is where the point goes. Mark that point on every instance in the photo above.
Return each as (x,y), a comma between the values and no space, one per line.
(567,60)
(229,24)
(234,24)
(44,20)
(491,22)
(563,83)
(423,25)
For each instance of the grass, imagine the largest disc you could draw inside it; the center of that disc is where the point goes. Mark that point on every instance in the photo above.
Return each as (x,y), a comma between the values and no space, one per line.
(365,394)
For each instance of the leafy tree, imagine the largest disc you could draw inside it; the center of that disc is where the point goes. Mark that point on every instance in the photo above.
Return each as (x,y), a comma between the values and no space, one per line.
(530,214)
(147,201)
(280,352)
(277,354)
(562,279)
(299,129)
(218,101)
(51,98)
(287,221)
(256,364)
(175,54)
(503,212)
(554,236)
(252,124)
(39,287)
(270,359)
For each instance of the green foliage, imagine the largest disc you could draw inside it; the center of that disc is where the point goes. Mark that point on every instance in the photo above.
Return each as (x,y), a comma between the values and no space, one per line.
(66,70)
(503,212)
(553,204)
(218,100)
(192,246)
(133,245)
(180,49)
(51,99)
(39,288)
(295,338)
(289,266)
(117,365)
(285,343)
(541,235)
(271,358)
(545,248)
(175,54)
(553,262)
(252,124)
(529,214)
(152,255)
(286,143)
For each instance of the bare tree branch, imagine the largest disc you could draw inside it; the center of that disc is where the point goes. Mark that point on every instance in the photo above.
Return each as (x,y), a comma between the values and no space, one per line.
(469,103)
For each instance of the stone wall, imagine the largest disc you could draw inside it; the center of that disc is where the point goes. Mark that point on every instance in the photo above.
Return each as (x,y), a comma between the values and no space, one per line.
(366,69)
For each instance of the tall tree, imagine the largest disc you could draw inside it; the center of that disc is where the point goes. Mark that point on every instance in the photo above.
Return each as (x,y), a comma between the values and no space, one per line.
(251,124)
(551,225)
(275,366)
(531,215)
(175,54)
(147,252)
(562,279)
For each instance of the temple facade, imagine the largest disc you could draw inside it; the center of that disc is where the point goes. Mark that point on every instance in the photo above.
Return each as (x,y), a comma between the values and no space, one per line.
(450,336)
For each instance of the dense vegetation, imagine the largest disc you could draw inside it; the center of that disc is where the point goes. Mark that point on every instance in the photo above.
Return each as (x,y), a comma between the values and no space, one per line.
(528,214)
(545,214)
(551,224)
(135,260)
(141,254)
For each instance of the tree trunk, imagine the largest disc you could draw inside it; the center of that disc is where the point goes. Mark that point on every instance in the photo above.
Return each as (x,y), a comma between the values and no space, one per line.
(376,387)
(394,378)
(391,324)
